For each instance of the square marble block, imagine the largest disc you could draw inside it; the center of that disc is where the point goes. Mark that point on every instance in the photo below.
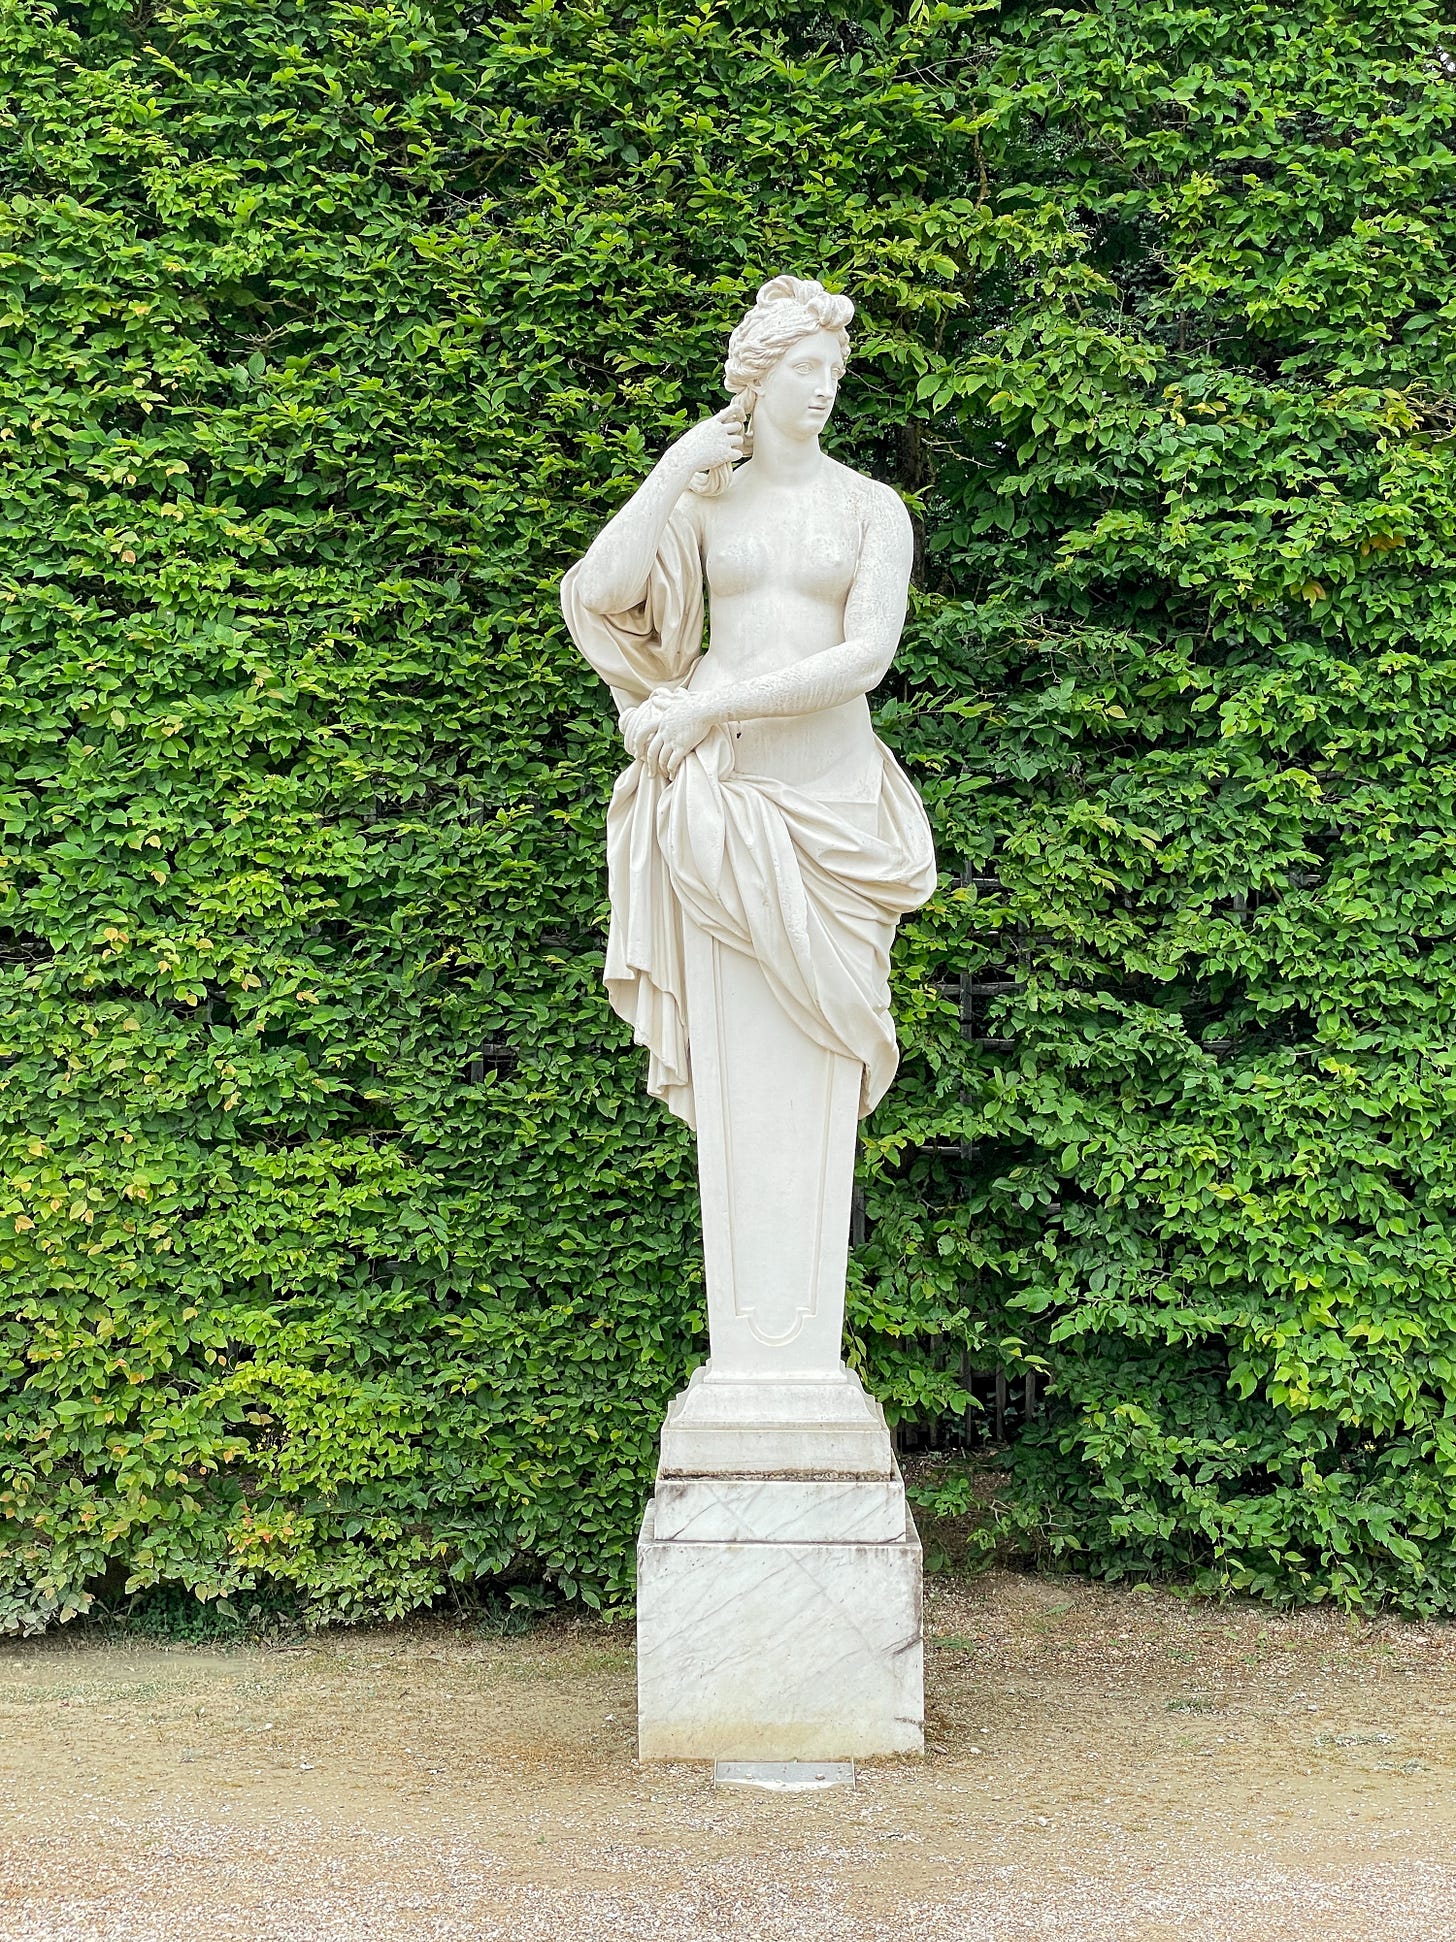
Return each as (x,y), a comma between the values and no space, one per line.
(778,1650)
(780,1509)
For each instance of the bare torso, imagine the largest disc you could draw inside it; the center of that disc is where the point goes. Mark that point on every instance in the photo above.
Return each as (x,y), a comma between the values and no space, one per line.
(780,564)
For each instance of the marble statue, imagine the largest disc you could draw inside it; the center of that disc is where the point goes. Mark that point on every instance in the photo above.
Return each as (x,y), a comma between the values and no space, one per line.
(762,846)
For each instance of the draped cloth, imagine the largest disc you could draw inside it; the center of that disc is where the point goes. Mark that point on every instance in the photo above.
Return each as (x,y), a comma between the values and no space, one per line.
(763,867)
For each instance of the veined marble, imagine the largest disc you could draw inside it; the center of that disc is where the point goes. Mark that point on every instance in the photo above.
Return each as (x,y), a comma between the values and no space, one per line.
(714,1680)
(701,1510)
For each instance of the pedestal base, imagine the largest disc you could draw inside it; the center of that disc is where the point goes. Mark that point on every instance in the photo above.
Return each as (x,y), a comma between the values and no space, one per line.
(775,1425)
(779,1648)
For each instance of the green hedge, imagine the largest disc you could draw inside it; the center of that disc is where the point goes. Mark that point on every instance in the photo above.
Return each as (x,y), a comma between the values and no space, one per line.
(340,1247)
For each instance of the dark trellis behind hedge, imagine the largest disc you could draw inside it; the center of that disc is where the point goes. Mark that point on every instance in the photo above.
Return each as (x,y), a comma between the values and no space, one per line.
(339,1244)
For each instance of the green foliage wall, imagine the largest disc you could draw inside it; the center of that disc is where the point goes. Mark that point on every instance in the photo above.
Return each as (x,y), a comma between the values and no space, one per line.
(340,1247)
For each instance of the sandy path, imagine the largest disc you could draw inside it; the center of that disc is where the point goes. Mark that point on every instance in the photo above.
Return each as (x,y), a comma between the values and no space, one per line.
(1104,1767)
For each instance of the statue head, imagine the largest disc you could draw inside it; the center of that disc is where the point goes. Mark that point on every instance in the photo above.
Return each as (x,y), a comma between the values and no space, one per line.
(790,312)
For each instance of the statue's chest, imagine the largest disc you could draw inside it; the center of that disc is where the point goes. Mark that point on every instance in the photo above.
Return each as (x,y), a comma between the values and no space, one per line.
(808,550)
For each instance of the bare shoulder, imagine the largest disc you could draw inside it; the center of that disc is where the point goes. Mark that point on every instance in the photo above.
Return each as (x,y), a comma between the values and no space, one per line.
(691,510)
(701,511)
(880,507)
(693,514)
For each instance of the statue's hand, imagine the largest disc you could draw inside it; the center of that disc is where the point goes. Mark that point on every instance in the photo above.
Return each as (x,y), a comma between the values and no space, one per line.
(683,721)
(639,725)
(716,441)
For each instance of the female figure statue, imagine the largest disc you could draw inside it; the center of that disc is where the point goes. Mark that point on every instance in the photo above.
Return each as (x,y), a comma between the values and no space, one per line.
(763,843)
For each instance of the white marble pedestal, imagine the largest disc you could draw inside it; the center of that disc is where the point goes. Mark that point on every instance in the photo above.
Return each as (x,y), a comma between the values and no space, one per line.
(778,1569)
(779,1612)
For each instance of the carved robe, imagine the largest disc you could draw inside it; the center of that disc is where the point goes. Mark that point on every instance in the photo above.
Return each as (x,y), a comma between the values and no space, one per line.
(772,870)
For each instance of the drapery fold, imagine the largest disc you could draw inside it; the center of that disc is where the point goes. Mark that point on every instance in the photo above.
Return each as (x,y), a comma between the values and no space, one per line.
(765,868)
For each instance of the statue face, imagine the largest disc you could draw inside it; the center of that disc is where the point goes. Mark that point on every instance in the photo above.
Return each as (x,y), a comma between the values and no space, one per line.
(798,394)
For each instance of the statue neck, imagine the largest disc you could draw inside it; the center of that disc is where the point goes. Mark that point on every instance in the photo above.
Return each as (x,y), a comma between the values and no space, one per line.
(784,461)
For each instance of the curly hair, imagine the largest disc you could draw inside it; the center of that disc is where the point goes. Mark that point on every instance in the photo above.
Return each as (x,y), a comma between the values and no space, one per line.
(788,308)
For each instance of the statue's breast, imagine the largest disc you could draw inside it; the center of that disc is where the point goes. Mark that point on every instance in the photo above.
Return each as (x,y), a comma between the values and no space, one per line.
(811,552)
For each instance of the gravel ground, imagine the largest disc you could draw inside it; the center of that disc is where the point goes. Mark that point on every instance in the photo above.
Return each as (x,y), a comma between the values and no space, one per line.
(1103,1767)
